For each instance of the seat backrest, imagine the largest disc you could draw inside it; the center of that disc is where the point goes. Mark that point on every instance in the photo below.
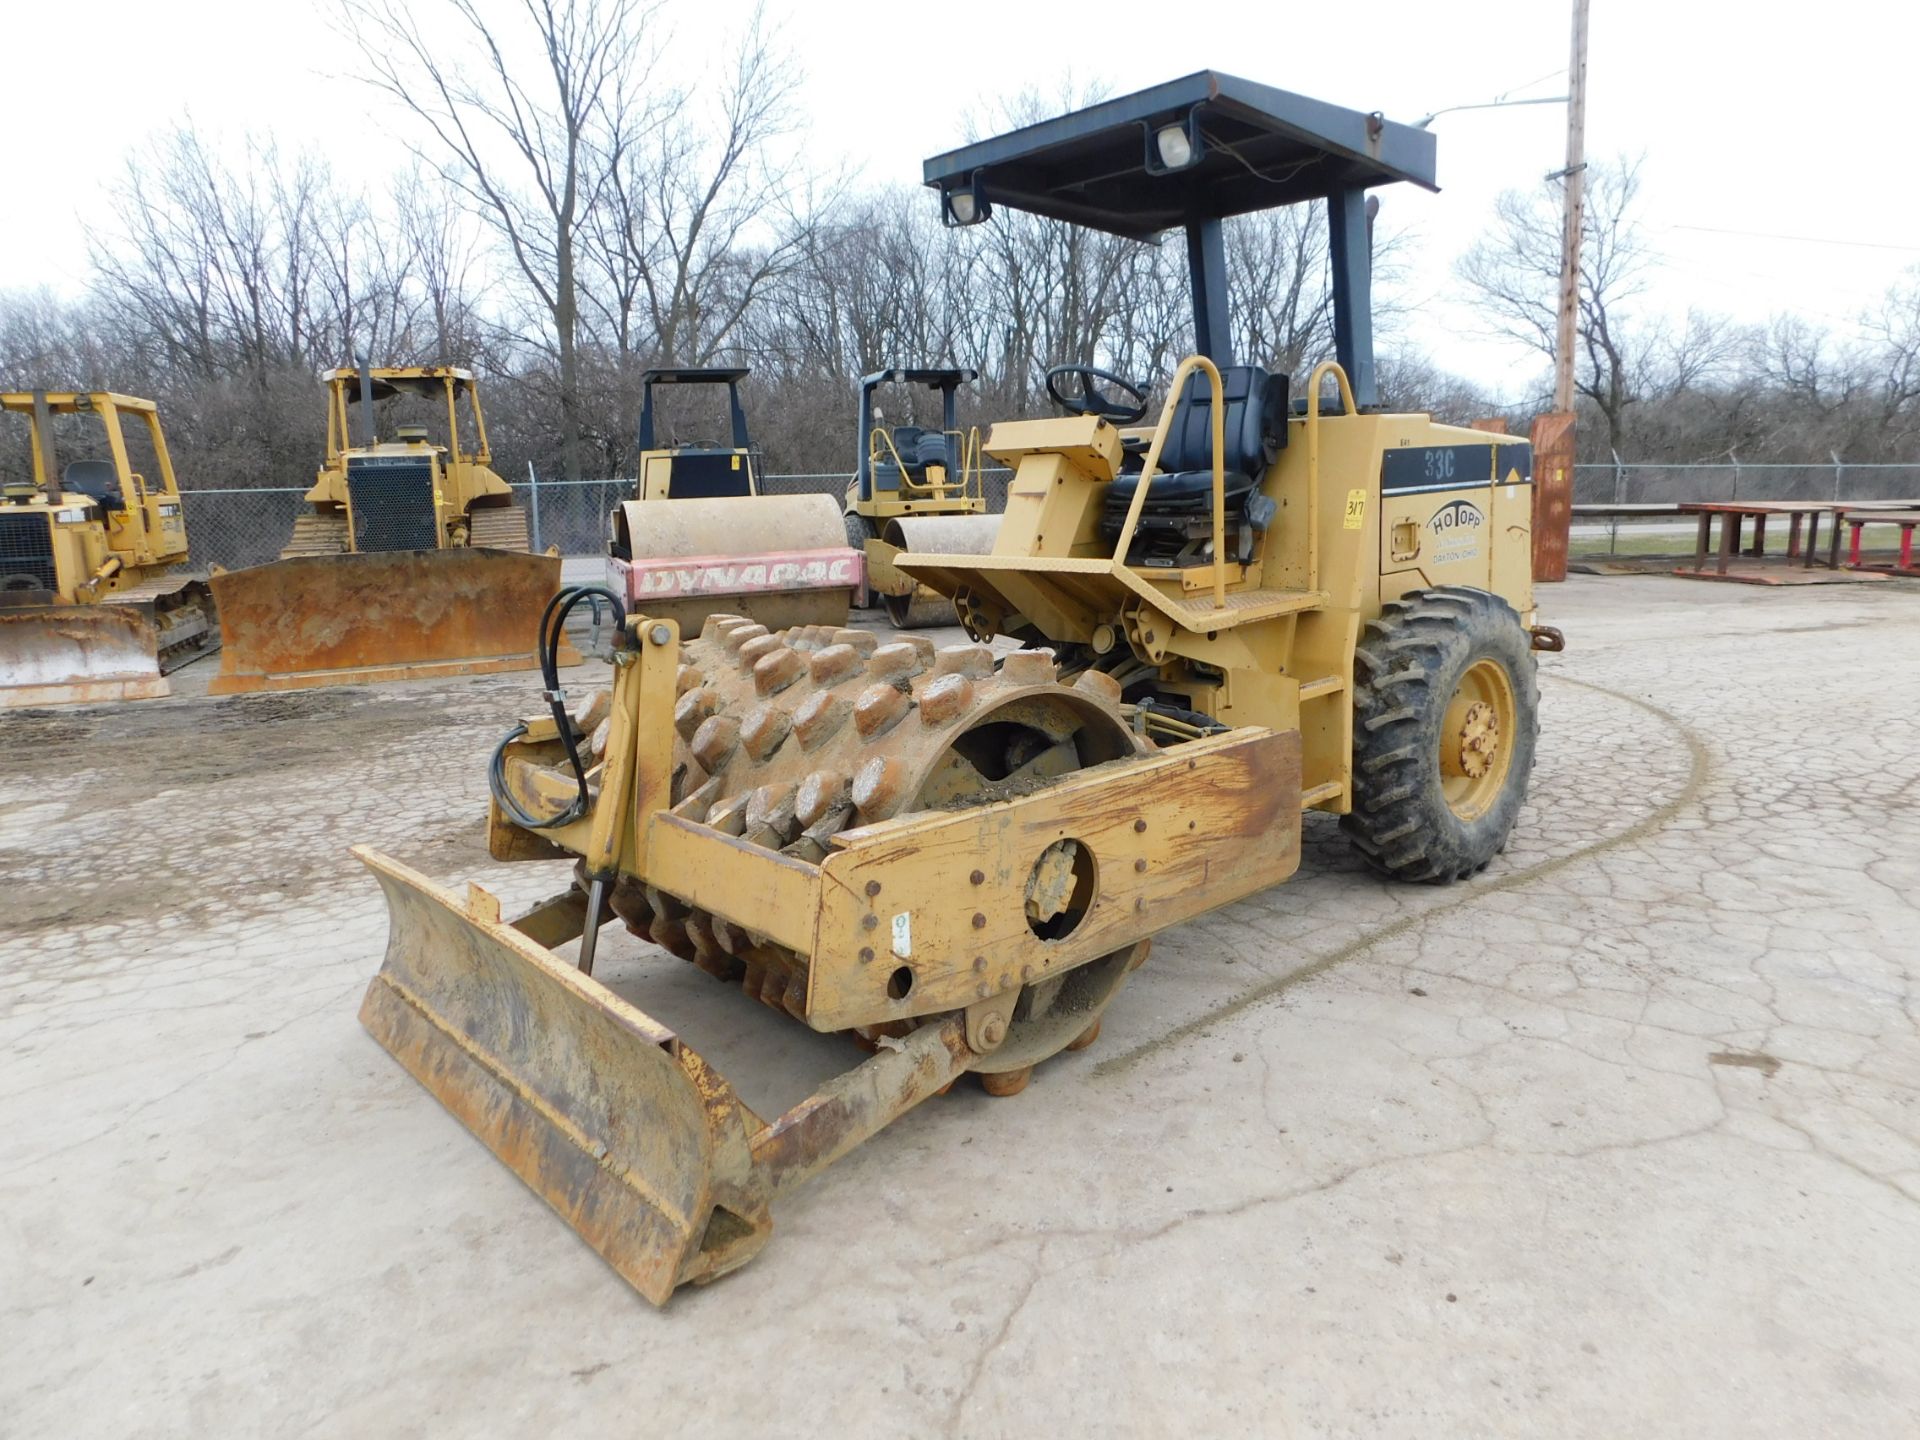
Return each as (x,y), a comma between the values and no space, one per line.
(929,449)
(1256,422)
(918,447)
(95,478)
(709,475)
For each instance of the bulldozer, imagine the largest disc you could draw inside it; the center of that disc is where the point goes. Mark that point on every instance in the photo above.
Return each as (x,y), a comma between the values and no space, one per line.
(701,536)
(412,562)
(96,602)
(1187,634)
(915,488)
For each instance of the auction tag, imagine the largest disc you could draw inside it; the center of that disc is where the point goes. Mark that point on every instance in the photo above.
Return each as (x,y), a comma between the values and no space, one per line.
(1356,509)
(903,935)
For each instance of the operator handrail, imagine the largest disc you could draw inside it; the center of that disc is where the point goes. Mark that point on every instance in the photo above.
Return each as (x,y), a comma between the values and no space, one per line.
(1320,372)
(953,487)
(973,485)
(1152,466)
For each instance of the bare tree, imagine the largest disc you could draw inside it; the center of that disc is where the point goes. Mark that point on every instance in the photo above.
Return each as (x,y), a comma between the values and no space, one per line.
(1280,286)
(440,255)
(1895,330)
(697,220)
(1515,272)
(529,126)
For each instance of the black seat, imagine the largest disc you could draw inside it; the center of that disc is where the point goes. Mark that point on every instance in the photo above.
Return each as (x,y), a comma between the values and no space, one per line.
(1178,517)
(918,448)
(97,480)
(931,449)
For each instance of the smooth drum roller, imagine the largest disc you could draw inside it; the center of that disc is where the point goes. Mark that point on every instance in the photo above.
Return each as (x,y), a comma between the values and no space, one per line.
(912,606)
(778,559)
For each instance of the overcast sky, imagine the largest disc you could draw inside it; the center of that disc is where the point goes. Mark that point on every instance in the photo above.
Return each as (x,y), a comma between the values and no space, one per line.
(1772,132)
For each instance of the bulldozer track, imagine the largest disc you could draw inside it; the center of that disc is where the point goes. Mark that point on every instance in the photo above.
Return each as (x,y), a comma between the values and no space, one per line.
(180,609)
(317,534)
(498,527)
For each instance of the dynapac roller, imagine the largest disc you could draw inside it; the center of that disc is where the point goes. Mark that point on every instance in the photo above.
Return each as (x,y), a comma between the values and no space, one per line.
(1186,634)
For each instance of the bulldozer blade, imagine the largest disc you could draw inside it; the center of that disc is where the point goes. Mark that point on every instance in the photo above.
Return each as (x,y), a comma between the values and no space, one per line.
(399,615)
(77,655)
(627,1133)
(622,1128)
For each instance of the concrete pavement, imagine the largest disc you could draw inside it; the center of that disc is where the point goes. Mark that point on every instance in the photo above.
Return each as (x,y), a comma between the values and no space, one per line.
(1621,1137)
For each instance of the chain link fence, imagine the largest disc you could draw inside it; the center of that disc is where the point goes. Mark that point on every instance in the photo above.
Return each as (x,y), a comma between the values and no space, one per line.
(1634,483)
(1606,532)
(236,528)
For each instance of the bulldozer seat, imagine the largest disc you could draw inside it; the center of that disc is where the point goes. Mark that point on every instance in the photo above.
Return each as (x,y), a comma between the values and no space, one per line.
(96,479)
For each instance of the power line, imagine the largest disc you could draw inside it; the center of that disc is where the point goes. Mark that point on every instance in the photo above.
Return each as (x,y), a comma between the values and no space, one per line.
(1531,83)
(1797,239)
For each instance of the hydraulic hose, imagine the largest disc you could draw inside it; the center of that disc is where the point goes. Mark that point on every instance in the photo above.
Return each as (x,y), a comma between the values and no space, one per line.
(553,624)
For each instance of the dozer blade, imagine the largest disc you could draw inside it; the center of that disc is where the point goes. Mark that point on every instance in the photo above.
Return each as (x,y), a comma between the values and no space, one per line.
(781,560)
(401,615)
(624,1130)
(614,1123)
(77,655)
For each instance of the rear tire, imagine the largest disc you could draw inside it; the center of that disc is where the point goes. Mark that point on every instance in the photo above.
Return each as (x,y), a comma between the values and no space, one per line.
(859,531)
(1446,712)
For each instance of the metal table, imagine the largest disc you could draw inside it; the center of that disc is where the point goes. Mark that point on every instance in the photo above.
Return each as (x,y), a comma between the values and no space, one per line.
(1803,540)
(1857,517)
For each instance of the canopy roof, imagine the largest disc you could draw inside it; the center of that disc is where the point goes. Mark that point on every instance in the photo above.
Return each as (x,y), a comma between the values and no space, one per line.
(391,380)
(693,375)
(902,375)
(1259,148)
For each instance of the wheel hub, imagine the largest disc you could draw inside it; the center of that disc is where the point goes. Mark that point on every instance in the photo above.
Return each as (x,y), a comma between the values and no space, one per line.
(1479,739)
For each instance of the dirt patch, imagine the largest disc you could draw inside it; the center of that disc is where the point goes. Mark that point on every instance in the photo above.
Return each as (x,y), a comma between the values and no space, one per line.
(136,751)
(1746,1060)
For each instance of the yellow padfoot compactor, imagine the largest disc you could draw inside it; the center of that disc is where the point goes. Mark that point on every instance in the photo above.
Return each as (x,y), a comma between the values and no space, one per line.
(1248,609)
(942,854)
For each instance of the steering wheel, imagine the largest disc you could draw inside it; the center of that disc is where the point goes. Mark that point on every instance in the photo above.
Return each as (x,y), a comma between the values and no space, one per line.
(1092,401)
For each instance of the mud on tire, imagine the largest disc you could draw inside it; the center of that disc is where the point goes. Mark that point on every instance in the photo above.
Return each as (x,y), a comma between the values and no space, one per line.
(1431,707)
(859,531)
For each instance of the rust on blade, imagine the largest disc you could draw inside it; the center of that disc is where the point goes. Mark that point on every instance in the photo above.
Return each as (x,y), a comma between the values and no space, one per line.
(852,1108)
(77,654)
(343,619)
(627,1133)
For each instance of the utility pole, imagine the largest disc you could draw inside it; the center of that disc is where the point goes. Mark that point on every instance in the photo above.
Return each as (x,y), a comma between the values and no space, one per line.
(1575,177)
